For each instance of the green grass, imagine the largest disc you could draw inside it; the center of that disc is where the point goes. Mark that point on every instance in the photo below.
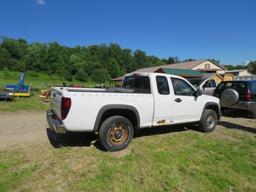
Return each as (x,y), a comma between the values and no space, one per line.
(185,161)
(224,160)
(38,81)
(11,177)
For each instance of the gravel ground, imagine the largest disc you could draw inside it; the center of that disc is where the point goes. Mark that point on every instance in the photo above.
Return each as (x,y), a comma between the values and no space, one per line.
(23,129)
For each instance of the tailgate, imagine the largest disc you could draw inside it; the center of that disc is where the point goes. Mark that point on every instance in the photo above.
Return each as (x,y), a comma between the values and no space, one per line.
(56,97)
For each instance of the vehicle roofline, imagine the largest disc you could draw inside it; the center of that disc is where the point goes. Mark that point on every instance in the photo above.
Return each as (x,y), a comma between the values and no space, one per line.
(154,74)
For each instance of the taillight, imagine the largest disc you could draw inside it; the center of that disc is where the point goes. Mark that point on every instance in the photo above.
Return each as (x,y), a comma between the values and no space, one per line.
(247,96)
(65,107)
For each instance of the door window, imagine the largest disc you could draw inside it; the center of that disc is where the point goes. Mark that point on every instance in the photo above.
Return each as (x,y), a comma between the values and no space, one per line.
(162,85)
(181,87)
(213,83)
(210,84)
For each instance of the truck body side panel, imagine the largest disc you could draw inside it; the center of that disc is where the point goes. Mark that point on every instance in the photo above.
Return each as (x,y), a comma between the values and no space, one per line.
(86,106)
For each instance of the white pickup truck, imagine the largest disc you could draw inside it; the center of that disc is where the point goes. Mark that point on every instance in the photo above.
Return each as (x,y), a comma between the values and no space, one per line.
(144,100)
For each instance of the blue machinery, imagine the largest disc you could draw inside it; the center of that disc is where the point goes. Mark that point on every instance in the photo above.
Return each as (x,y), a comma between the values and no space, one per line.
(19,89)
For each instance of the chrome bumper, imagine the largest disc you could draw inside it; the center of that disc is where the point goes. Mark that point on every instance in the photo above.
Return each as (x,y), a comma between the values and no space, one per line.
(54,122)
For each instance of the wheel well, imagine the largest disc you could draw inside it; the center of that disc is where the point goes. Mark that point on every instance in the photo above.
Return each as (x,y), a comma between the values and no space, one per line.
(129,114)
(214,108)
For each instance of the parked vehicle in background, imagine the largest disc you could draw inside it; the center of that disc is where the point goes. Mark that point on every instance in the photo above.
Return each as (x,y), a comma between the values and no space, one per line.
(239,94)
(251,77)
(6,96)
(144,100)
(207,86)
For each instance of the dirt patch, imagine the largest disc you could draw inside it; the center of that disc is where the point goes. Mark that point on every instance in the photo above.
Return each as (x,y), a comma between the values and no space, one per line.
(22,129)
(122,153)
(28,130)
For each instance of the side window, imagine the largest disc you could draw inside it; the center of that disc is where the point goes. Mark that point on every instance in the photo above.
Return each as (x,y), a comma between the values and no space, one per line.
(213,83)
(253,87)
(228,85)
(181,87)
(221,86)
(208,84)
(162,85)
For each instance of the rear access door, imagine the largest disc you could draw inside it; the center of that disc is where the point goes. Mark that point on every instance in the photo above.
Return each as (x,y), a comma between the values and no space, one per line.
(163,101)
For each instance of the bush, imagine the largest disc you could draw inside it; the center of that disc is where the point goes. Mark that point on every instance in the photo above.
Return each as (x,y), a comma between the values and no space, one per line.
(252,67)
(81,75)
(68,76)
(100,75)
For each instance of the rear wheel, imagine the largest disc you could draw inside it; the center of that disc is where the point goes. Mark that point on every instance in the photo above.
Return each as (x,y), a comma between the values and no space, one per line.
(208,121)
(115,133)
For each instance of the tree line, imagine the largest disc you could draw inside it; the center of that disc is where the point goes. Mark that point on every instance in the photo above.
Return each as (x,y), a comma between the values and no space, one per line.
(97,62)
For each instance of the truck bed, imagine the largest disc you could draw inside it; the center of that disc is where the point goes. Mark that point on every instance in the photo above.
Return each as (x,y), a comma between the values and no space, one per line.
(101,90)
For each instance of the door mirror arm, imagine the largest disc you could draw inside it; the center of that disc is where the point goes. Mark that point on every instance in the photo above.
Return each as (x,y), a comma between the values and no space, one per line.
(198,92)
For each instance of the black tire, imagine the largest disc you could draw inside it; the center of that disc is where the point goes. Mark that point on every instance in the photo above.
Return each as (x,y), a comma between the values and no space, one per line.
(208,121)
(115,133)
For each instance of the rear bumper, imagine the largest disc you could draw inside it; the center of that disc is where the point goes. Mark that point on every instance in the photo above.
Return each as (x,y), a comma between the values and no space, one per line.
(244,105)
(54,122)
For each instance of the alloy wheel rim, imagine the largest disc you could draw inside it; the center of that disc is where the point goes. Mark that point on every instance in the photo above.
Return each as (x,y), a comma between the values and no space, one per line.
(210,122)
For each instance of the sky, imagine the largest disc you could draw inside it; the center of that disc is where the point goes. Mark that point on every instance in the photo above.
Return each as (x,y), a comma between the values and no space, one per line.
(221,29)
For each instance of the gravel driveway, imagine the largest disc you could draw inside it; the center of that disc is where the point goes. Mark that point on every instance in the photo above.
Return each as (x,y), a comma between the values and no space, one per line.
(23,129)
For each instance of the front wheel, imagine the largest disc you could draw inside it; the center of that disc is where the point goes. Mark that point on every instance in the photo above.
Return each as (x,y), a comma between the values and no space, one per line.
(115,133)
(208,121)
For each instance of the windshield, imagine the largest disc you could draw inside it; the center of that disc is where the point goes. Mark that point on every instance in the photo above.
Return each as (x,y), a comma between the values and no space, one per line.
(138,83)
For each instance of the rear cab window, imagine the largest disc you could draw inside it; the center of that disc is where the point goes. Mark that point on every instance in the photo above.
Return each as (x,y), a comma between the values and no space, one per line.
(162,85)
(140,84)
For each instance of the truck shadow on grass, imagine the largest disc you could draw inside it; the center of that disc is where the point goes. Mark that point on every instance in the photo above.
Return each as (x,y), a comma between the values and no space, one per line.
(70,139)
(234,113)
(90,139)
(229,125)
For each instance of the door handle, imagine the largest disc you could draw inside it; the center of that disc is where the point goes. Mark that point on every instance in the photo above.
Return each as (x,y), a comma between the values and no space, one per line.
(178,100)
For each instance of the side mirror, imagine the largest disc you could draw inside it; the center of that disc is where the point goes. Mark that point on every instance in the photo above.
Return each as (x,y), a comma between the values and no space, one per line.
(198,92)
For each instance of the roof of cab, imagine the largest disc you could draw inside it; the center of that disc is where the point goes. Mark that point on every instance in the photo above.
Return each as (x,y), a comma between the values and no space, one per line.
(153,74)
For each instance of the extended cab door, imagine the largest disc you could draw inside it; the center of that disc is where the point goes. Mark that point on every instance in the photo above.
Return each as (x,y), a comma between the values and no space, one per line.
(186,107)
(163,103)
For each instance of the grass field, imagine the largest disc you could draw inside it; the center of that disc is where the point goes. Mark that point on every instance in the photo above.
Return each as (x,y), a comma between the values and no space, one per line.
(38,81)
(179,160)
